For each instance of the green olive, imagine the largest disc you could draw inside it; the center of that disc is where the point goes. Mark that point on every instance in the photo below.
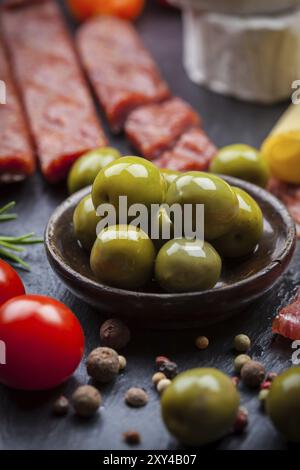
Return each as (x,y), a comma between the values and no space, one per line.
(187,266)
(123,256)
(162,228)
(85,222)
(283,403)
(219,200)
(241,161)
(200,406)
(246,231)
(170,175)
(86,168)
(134,177)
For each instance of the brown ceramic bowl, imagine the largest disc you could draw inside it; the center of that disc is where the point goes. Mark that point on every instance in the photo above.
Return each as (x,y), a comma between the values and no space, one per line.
(242,281)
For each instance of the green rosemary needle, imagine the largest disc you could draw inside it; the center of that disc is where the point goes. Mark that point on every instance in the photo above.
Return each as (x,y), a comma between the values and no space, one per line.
(9,245)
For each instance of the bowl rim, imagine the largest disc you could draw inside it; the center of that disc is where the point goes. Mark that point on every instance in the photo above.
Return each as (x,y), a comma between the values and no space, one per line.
(286,251)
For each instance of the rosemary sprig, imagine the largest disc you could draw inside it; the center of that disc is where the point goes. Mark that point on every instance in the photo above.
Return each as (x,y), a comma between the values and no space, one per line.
(10,245)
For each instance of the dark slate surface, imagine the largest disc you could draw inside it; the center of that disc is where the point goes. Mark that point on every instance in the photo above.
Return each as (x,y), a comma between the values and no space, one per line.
(26,421)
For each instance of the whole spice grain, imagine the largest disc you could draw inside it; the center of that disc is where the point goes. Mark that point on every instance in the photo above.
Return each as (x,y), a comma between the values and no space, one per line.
(262,396)
(114,334)
(265,385)
(160,360)
(162,385)
(86,401)
(103,364)
(241,421)
(242,343)
(136,397)
(240,361)
(157,377)
(253,374)
(235,380)
(170,369)
(122,363)
(61,406)
(132,437)
(271,376)
(202,342)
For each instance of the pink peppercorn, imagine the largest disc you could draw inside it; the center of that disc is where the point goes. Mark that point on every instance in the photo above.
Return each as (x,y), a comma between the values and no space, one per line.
(265,385)
(160,360)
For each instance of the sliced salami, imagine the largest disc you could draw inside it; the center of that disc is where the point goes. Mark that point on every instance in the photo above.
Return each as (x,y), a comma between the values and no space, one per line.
(58,104)
(119,67)
(289,194)
(16,154)
(155,128)
(193,151)
(287,322)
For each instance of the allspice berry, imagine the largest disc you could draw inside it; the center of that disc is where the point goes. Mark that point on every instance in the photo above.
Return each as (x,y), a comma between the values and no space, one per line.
(136,397)
(86,401)
(202,342)
(103,364)
(253,374)
(114,334)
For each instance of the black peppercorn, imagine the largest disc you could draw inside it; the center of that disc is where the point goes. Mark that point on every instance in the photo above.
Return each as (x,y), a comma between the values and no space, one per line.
(170,369)
(60,406)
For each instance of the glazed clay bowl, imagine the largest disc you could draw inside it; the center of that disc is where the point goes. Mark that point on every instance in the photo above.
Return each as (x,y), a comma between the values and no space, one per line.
(242,282)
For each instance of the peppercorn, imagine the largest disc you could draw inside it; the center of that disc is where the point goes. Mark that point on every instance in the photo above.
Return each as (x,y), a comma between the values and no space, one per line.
(242,343)
(160,360)
(60,406)
(240,361)
(262,396)
(122,363)
(162,385)
(271,376)
(136,397)
(132,437)
(253,374)
(157,377)
(170,369)
(103,364)
(241,421)
(114,334)
(202,342)
(86,401)
(265,385)
(235,380)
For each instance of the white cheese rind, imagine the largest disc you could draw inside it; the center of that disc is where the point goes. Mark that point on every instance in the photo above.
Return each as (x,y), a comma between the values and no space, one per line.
(252,58)
(239,7)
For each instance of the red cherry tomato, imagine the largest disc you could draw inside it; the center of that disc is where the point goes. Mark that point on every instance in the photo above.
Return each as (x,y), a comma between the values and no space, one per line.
(43,340)
(126,9)
(10,283)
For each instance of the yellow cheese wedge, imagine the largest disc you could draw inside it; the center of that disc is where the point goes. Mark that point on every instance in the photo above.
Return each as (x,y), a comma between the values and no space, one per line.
(282,147)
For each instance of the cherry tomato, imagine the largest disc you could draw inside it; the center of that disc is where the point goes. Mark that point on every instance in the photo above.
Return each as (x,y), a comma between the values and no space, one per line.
(127,9)
(43,341)
(10,283)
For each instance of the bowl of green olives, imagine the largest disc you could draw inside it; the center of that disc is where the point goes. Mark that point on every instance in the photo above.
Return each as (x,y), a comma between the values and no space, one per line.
(170,282)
